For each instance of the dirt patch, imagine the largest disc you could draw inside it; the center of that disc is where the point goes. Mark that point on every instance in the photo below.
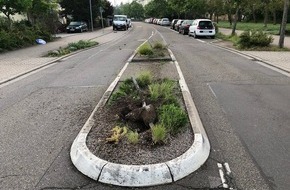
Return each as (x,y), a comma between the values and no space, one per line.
(144,152)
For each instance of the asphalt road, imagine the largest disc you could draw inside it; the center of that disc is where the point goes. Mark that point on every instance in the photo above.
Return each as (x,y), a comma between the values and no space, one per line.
(244,105)
(239,103)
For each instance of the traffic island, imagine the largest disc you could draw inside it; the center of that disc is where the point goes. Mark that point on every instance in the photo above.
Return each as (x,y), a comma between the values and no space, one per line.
(103,152)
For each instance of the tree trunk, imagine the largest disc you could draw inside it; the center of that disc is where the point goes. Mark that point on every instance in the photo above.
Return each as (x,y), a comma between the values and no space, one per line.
(236,20)
(283,24)
(230,19)
(266,13)
(254,14)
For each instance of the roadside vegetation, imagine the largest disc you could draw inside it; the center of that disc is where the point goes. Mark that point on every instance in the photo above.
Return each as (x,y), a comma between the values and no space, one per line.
(156,50)
(20,34)
(246,26)
(163,95)
(82,44)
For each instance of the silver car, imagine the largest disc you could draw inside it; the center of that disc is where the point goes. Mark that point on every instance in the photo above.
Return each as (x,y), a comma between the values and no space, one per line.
(164,22)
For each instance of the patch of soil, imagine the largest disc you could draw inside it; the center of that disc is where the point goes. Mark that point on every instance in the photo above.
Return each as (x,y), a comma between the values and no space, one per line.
(144,152)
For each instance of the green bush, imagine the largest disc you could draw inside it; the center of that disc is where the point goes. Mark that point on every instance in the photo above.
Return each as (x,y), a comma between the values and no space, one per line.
(126,88)
(158,45)
(162,90)
(159,133)
(82,44)
(144,79)
(133,137)
(145,49)
(20,34)
(172,117)
(250,39)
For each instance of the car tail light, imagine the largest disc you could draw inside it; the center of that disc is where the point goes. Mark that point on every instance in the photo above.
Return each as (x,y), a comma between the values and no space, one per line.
(198,27)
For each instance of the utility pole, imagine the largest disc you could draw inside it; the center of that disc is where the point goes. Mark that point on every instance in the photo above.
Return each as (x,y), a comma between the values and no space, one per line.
(101,11)
(90,1)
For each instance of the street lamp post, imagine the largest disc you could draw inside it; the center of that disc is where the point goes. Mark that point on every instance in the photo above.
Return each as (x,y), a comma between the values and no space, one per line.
(90,1)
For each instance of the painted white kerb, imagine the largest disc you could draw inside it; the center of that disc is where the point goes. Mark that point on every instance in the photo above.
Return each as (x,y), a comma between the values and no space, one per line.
(143,175)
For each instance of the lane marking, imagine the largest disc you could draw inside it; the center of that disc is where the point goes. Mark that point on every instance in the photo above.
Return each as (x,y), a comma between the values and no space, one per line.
(211,90)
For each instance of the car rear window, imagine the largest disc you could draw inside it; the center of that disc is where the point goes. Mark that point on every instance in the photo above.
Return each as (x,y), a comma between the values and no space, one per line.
(165,19)
(205,24)
(75,23)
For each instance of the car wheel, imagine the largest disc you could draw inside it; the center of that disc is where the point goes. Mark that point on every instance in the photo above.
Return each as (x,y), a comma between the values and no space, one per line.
(212,37)
(81,30)
(194,35)
(183,33)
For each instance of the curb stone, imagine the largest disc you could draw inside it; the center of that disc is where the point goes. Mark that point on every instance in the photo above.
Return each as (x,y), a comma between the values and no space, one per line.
(142,175)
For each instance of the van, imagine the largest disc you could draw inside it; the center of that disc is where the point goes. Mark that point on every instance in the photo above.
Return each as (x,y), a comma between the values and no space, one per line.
(120,22)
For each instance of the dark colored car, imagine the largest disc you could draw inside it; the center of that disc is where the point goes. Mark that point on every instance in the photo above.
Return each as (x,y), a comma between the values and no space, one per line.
(184,27)
(173,22)
(77,26)
(178,23)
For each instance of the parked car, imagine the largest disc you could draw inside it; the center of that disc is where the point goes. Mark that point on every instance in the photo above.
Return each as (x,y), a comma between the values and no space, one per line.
(184,27)
(164,22)
(202,27)
(77,26)
(178,23)
(159,21)
(173,22)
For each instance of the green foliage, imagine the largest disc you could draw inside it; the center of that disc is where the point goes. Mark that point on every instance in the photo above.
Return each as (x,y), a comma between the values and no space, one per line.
(80,9)
(126,88)
(250,39)
(145,49)
(20,34)
(132,10)
(162,90)
(159,133)
(172,117)
(158,45)
(144,79)
(8,7)
(247,26)
(133,137)
(82,44)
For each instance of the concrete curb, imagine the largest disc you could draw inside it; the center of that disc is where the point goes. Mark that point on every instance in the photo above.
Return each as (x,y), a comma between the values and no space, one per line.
(142,175)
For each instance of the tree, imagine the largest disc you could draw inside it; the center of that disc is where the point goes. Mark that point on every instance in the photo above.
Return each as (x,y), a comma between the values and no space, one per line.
(41,9)
(284,23)
(80,9)
(158,9)
(11,7)
(136,10)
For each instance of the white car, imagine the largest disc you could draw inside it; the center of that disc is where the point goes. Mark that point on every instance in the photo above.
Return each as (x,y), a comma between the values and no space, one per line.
(202,27)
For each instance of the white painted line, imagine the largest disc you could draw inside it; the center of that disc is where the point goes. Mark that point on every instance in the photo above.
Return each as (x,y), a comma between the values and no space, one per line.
(200,40)
(227,167)
(211,90)
(222,176)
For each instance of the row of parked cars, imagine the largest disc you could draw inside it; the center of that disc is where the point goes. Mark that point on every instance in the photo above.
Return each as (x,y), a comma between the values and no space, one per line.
(196,28)
(159,21)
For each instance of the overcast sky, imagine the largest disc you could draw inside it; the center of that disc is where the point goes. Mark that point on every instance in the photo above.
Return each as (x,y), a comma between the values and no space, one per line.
(118,2)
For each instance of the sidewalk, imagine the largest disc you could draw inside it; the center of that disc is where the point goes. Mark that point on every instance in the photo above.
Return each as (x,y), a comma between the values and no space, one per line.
(18,62)
(277,59)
